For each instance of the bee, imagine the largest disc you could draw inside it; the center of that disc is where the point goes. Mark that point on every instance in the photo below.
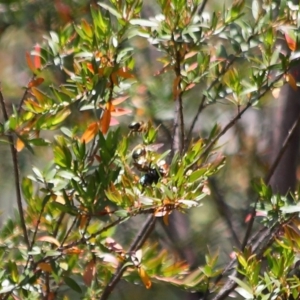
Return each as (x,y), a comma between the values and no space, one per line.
(138,127)
(163,168)
(149,178)
(143,156)
(154,173)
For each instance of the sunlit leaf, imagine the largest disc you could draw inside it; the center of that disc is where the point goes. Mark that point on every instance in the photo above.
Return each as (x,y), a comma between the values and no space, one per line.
(37,56)
(291,39)
(49,239)
(119,100)
(87,28)
(90,132)
(19,145)
(73,250)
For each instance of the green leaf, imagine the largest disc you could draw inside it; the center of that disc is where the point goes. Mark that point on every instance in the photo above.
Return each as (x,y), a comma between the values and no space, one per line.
(242,284)
(111,10)
(27,188)
(290,209)
(73,284)
(143,22)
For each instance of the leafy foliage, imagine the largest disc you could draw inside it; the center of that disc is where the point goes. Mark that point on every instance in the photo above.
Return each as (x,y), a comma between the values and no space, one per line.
(98,179)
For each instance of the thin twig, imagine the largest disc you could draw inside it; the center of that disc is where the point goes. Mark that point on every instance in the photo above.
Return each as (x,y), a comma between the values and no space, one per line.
(269,176)
(230,285)
(136,244)
(259,248)
(178,125)
(58,223)
(224,210)
(25,94)
(69,230)
(16,174)
(202,101)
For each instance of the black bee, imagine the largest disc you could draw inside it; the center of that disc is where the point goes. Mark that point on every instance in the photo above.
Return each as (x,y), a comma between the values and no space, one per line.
(150,177)
(139,126)
(143,156)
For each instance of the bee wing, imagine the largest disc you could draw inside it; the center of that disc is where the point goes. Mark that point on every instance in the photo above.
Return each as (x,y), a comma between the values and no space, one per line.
(154,147)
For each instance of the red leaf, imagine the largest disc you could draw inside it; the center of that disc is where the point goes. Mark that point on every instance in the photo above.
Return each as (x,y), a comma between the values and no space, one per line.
(105,120)
(35,82)
(124,73)
(37,58)
(30,64)
(120,112)
(291,40)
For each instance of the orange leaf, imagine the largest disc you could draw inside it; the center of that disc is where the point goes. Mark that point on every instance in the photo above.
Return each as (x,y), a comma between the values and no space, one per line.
(19,145)
(49,239)
(290,79)
(190,86)
(35,82)
(89,272)
(145,278)
(40,96)
(90,67)
(291,40)
(90,132)
(37,58)
(114,78)
(83,220)
(166,219)
(87,28)
(73,250)
(119,100)
(46,267)
(30,63)
(192,67)
(124,73)
(105,120)
(120,112)
(190,54)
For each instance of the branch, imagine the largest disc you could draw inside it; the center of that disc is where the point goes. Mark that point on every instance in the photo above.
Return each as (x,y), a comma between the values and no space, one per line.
(16,174)
(223,210)
(136,244)
(202,101)
(269,176)
(270,233)
(178,125)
